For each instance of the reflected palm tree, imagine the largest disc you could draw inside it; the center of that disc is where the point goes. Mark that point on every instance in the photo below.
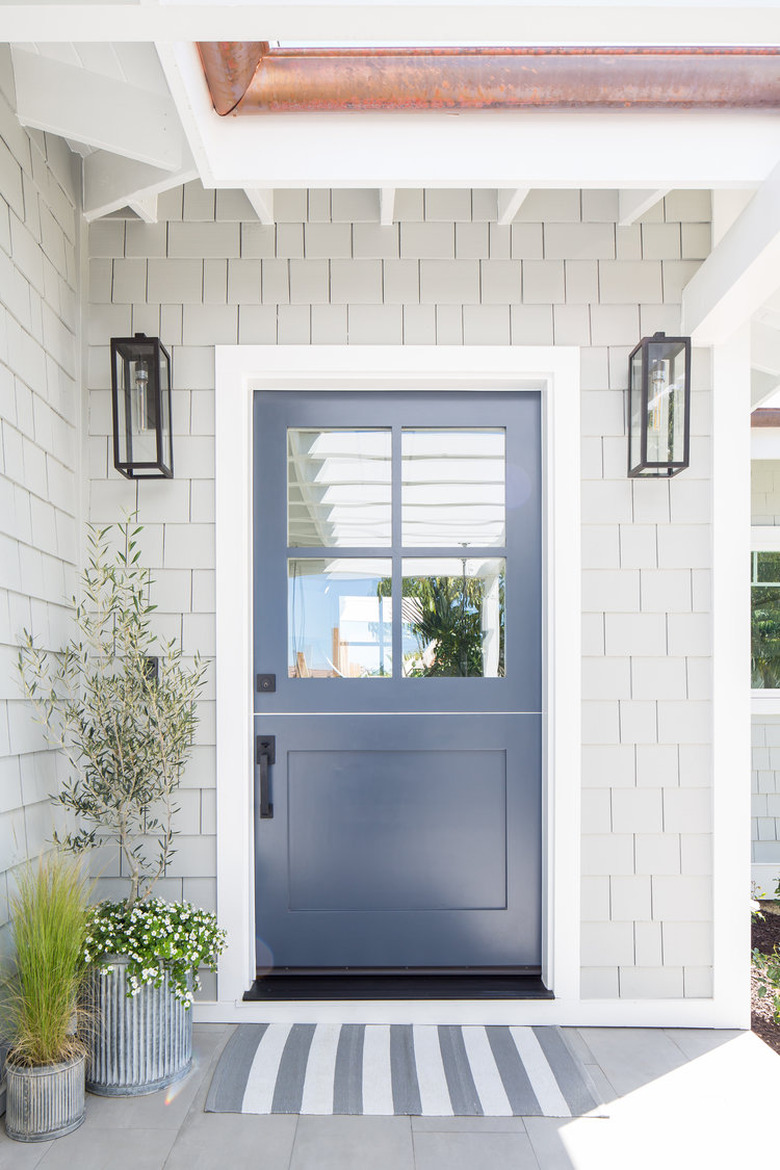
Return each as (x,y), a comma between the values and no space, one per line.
(444,616)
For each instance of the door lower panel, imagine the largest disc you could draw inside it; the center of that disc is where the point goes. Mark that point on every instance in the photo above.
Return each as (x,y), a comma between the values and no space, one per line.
(398,852)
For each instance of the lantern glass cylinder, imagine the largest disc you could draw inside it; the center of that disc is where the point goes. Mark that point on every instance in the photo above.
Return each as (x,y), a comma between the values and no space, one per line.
(141,402)
(659,406)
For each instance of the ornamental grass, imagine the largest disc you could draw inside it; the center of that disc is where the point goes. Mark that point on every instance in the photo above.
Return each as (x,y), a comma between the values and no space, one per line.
(49,916)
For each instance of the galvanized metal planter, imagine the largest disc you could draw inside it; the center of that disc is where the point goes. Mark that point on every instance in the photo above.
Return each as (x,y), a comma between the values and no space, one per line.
(44,1102)
(139,1044)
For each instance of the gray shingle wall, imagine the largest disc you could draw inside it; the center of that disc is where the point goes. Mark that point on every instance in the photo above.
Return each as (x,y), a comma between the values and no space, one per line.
(447,273)
(39,420)
(765,491)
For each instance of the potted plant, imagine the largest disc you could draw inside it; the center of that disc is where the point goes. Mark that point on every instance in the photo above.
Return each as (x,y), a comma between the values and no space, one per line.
(45,1063)
(122,706)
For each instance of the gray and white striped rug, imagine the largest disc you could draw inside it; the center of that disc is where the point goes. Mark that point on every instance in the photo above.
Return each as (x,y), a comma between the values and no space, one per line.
(384,1069)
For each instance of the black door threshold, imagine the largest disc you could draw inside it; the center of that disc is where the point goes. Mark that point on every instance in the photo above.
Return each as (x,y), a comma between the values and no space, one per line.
(402,986)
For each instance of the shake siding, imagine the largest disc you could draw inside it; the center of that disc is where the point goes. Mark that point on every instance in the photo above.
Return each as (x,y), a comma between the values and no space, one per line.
(39,492)
(446,273)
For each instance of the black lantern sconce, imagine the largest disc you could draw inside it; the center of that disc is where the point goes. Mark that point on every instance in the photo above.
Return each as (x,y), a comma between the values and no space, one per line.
(141,406)
(659,406)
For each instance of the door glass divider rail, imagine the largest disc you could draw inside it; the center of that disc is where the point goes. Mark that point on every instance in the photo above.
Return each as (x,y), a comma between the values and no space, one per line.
(408,552)
(385,714)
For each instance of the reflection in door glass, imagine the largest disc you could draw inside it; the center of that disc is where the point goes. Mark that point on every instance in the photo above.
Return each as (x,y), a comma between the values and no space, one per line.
(339,618)
(453,617)
(453,487)
(338,488)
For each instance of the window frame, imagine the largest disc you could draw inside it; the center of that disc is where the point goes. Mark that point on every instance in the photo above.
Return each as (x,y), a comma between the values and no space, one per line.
(764,538)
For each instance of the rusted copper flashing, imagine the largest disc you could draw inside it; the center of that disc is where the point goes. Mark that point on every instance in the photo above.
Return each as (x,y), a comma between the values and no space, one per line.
(229,67)
(298,79)
(765,417)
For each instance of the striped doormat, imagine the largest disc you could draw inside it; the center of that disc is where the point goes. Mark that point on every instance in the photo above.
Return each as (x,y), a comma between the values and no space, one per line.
(385,1069)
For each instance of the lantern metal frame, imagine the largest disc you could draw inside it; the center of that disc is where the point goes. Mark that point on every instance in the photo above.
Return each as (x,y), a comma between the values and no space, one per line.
(643,467)
(155,356)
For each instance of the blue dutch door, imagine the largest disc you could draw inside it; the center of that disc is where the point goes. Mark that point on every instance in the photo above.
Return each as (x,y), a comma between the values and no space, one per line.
(398,655)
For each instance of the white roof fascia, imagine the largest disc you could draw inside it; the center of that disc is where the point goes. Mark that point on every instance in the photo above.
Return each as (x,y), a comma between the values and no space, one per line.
(469,148)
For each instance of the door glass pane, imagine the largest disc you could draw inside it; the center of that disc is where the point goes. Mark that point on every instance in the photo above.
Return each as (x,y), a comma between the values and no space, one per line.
(339,618)
(453,617)
(453,487)
(338,488)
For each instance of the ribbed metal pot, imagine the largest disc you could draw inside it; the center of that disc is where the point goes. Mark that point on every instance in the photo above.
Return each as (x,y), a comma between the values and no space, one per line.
(138,1043)
(45,1102)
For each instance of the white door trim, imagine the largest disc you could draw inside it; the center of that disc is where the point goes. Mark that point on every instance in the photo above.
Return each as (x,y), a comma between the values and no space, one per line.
(240,370)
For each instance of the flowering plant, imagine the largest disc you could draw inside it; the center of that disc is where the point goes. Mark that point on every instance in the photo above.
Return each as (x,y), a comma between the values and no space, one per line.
(158,938)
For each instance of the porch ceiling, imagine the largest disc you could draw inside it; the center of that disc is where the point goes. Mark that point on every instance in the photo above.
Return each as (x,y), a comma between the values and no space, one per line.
(122,81)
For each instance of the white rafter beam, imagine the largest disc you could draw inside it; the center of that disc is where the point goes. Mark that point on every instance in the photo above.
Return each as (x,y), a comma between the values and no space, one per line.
(145,207)
(386,206)
(262,201)
(634,204)
(510,202)
(762,387)
(765,347)
(100,111)
(112,182)
(740,274)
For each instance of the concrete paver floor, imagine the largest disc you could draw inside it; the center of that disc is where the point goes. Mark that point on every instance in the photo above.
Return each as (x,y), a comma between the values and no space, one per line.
(675,1098)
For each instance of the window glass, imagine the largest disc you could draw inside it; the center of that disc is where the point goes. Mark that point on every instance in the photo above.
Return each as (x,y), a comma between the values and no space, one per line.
(453,617)
(453,488)
(339,618)
(338,488)
(765,620)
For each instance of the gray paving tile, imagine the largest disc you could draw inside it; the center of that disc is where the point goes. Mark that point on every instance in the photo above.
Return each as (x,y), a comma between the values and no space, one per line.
(632,1057)
(468,1125)
(166,1109)
(106,1149)
(20,1155)
(548,1136)
(465,1151)
(353,1143)
(577,1044)
(698,1041)
(605,1091)
(233,1140)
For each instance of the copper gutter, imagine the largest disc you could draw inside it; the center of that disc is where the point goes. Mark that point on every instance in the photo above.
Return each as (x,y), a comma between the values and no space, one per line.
(252,78)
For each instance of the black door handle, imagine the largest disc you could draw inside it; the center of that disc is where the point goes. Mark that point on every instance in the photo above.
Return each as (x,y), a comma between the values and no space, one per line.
(266,755)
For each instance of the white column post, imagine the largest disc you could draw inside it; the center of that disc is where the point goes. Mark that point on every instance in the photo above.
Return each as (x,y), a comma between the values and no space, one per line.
(731,677)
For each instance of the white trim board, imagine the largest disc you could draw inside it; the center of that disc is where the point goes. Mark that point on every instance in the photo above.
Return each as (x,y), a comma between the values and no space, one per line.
(596,1013)
(765,538)
(240,370)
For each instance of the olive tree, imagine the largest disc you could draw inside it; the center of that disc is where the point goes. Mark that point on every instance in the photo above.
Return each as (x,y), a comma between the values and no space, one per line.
(122,706)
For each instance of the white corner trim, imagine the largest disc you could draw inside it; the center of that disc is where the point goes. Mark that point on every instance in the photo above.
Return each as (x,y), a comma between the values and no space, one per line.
(731,674)
(240,370)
